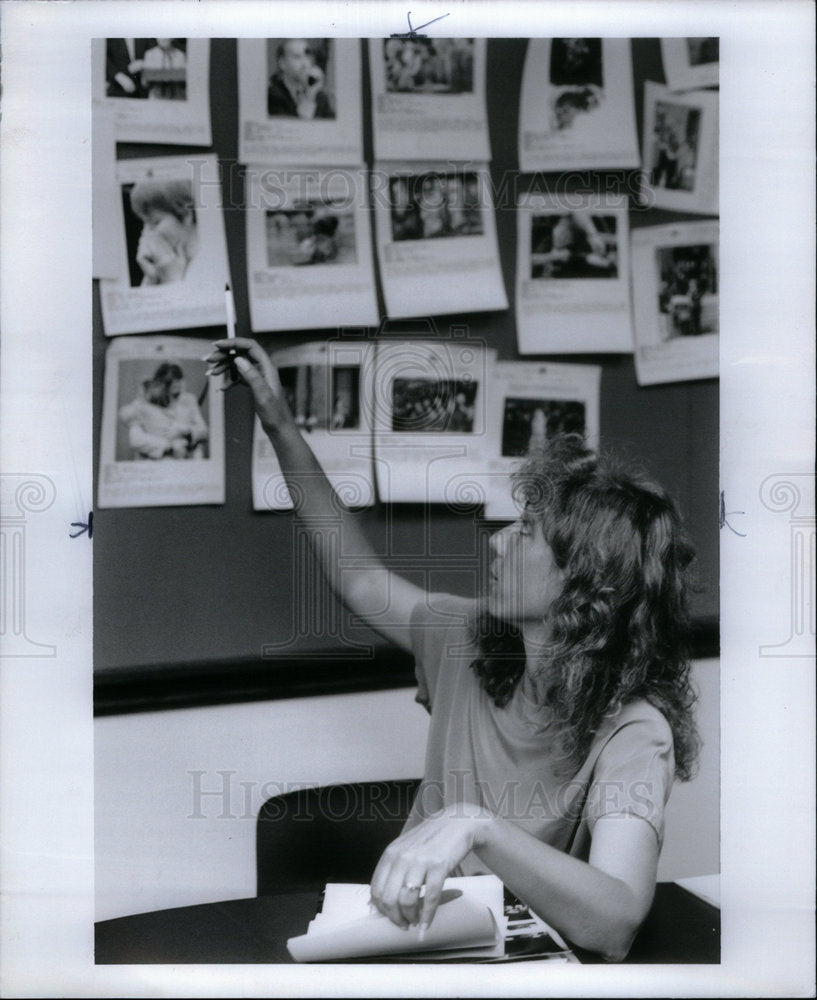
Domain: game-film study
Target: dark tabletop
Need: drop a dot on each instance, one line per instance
(679, 929)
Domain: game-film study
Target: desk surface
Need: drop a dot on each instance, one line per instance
(680, 928)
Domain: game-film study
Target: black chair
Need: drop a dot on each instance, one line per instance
(335, 833)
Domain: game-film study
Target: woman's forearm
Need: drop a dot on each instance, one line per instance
(592, 909)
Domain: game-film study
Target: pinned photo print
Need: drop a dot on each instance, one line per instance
(680, 149)
(314, 233)
(432, 205)
(162, 437)
(160, 230)
(541, 419)
(432, 405)
(162, 417)
(301, 73)
(688, 296)
(158, 89)
(574, 245)
(429, 65)
(146, 68)
(322, 398)
(676, 305)
(576, 78)
(674, 148)
(691, 62)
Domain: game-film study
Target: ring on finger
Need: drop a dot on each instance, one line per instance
(411, 887)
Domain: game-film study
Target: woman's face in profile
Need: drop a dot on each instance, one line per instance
(524, 578)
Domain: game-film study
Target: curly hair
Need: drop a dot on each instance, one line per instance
(620, 624)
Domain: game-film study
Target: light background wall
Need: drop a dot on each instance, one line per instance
(162, 841)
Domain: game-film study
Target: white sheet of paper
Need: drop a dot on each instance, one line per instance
(528, 399)
(577, 109)
(189, 268)
(177, 112)
(286, 138)
(428, 99)
(329, 385)
(690, 62)
(436, 239)
(430, 419)
(676, 303)
(309, 251)
(156, 450)
(572, 275)
(680, 144)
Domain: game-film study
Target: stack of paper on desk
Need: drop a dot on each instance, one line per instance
(469, 922)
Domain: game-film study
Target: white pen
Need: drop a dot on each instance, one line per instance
(230, 304)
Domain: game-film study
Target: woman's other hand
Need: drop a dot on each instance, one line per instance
(423, 857)
(258, 372)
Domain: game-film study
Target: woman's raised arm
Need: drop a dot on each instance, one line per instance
(365, 585)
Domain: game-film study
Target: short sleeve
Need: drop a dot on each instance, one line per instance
(430, 625)
(635, 770)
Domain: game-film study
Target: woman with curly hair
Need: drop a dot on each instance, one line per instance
(560, 702)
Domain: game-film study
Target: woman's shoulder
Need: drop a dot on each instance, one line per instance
(638, 718)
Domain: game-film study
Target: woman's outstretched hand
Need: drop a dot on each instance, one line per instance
(423, 857)
(255, 369)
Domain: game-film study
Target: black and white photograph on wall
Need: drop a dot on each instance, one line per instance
(574, 245)
(299, 101)
(428, 98)
(676, 301)
(162, 440)
(421, 405)
(301, 78)
(690, 62)
(435, 228)
(172, 250)
(539, 419)
(680, 143)
(674, 147)
(430, 414)
(328, 387)
(429, 66)
(530, 402)
(576, 78)
(571, 266)
(428, 206)
(688, 299)
(309, 253)
(160, 230)
(158, 88)
(311, 233)
(576, 106)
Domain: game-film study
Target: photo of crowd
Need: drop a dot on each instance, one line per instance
(688, 291)
(703, 50)
(153, 68)
(163, 418)
(422, 404)
(300, 73)
(312, 233)
(574, 245)
(429, 66)
(675, 146)
(322, 398)
(576, 74)
(160, 230)
(427, 206)
(545, 417)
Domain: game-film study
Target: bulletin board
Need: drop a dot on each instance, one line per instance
(205, 604)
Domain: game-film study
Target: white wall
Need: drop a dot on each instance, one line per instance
(159, 844)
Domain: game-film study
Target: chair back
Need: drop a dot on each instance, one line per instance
(335, 833)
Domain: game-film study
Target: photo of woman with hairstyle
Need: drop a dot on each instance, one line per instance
(168, 241)
(165, 421)
(560, 700)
